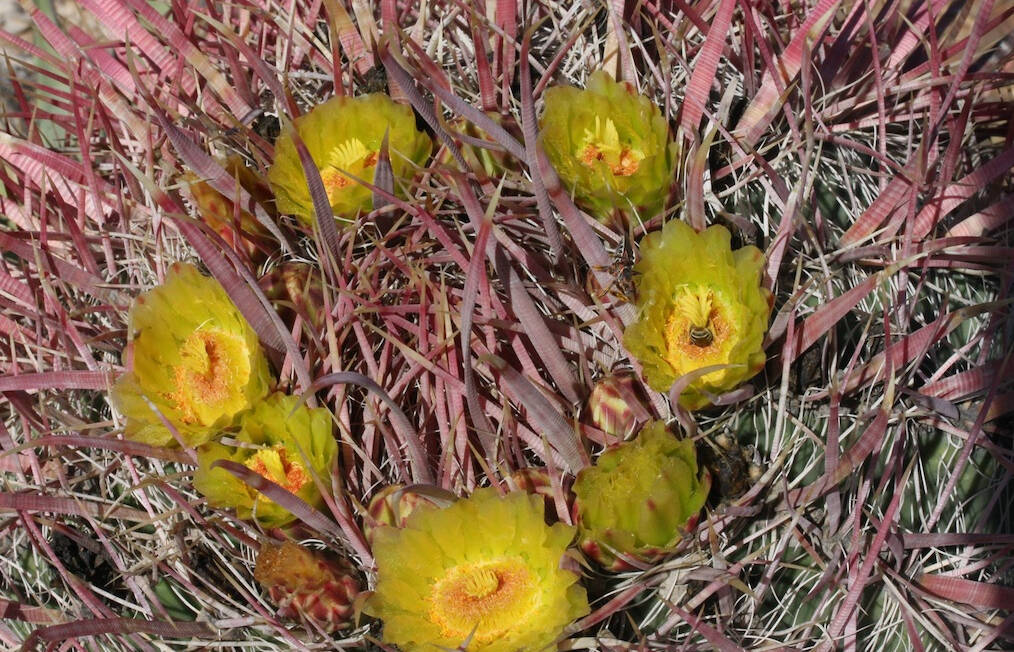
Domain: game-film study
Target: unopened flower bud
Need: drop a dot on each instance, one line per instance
(615, 407)
(307, 585)
(393, 504)
(639, 498)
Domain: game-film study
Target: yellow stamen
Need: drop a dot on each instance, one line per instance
(481, 583)
(352, 156)
(349, 153)
(603, 144)
(695, 306)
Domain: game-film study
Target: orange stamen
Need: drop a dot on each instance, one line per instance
(295, 474)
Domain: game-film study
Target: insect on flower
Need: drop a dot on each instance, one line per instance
(621, 272)
(700, 304)
(701, 336)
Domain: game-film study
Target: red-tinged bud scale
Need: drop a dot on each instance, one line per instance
(615, 407)
(537, 482)
(393, 504)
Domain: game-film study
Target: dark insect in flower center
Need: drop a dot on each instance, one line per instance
(701, 336)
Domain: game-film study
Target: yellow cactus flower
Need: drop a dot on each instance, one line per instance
(700, 304)
(343, 136)
(485, 569)
(639, 497)
(195, 359)
(282, 440)
(610, 146)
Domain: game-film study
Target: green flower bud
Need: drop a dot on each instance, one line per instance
(639, 498)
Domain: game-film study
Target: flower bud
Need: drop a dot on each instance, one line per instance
(393, 504)
(537, 482)
(307, 585)
(639, 498)
(295, 289)
(240, 230)
(615, 407)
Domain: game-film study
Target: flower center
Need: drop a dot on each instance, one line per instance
(213, 369)
(274, 464)
(489, 598)
(481, 583)
(697, 331)
(351, 156)
(603, 144)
